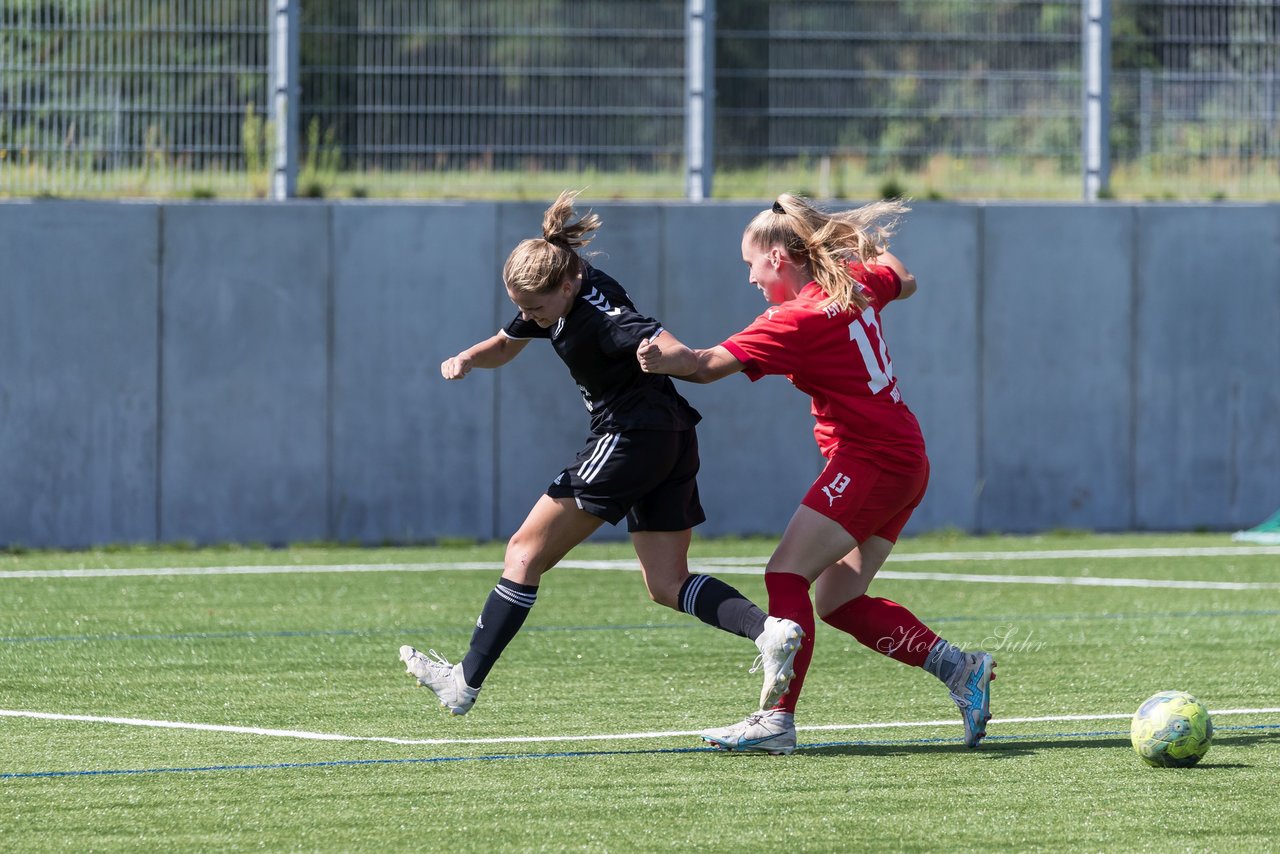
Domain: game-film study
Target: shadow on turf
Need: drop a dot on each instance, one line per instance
(997, 747)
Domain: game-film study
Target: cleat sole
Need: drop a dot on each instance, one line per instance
(724, 748)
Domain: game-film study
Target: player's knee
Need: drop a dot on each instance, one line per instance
(524, 561)
(664, 591)
(665, 596)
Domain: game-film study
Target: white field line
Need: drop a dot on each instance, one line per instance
(755, 566)
(1078, 580)
(285, 569)
(543, 739)
(1055, 554)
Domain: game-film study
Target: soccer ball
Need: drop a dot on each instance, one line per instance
(1171, 730)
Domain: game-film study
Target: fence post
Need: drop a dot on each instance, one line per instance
(699, 97)
(285, 102)
(1095, 138)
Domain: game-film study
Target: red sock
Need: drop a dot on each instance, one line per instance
(884, 626)
(789, 599)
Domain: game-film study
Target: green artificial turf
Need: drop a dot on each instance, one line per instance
(881, 766)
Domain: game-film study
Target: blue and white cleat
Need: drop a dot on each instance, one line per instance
(772, 732)
(778, 645)
(971, 690)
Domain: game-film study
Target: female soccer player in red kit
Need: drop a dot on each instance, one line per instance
(829, 278)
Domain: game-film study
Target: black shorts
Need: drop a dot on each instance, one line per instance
(648, 476)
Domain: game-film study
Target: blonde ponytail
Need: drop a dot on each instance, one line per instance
(541, 263)
(828, 242)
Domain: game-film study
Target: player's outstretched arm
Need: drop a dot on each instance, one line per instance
(667, 355)
(492, 352)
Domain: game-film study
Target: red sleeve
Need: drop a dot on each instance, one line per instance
(769, 345)
(749, 368)
(881, 281)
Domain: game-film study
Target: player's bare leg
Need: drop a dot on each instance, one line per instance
(552, 528)
(664, 563)
(850, 576)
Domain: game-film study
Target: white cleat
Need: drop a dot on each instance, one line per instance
(439, 675)
(778, 645)
(970, 688)
(772, 732)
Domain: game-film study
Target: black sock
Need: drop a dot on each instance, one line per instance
(717, 604)
(503, 615)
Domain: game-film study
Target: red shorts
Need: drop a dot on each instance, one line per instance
(867, 499)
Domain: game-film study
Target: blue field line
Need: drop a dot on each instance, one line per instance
(193, 636)
(326, 633)
(577, 754)
(420, 631)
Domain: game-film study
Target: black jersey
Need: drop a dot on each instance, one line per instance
(597, 340)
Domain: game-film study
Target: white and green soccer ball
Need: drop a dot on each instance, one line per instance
(1171, 729)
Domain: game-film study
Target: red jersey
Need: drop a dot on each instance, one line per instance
(840, 359)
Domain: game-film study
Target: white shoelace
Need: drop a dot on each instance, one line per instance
(439, 659)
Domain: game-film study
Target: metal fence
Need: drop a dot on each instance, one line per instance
(502, 98)
(1196, 95)
(899, 88)
(413, 86)
(128, 98)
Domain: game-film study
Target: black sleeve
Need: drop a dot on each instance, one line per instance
(521, 329)
(622, 333)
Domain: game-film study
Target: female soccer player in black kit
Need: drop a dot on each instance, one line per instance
(640, 462)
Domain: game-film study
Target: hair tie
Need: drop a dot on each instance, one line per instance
(777, 207)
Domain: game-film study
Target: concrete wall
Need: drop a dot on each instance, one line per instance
(412, 456)
(1206, 371)
(79, 373)
(244, 396)
(1056, 356)
(259, 372)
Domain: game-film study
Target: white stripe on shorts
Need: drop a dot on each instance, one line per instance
(604, 448)
(594, 461)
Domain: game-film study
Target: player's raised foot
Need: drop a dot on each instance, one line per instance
(970, 688)
(772, 732)
(778, 645)
(434, 672)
